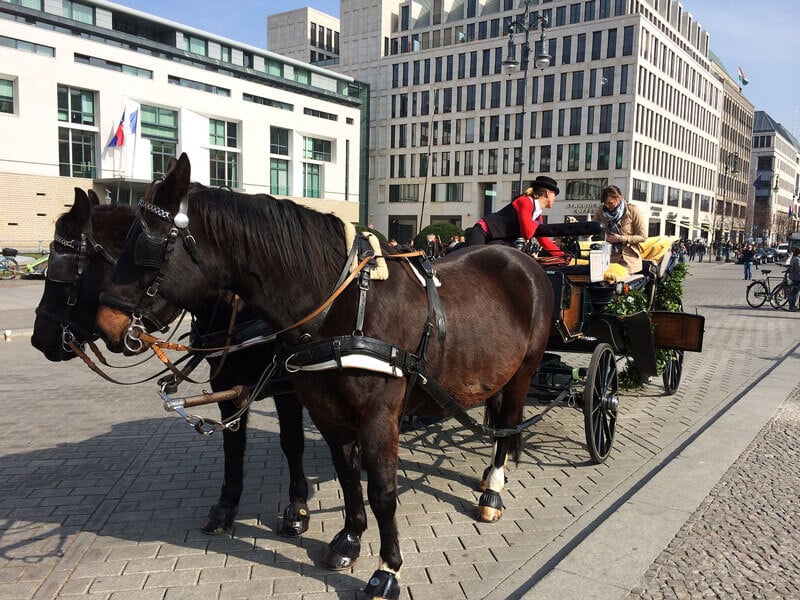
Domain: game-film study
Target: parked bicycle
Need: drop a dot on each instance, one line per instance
(9, 267)
(761, 290)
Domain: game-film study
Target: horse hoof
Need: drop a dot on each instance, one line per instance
(294, 521)
(342, 552)
(490, 507)
(383, 584)
(220, 518)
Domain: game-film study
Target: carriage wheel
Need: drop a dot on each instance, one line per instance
(600, 402)
(672, 372)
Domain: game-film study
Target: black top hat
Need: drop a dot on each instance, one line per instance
(547, 183)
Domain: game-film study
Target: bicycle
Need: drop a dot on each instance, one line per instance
(9, 267)
(782, 292)
(760, 291)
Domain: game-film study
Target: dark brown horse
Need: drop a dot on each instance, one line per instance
(285, 261)
(87, 241)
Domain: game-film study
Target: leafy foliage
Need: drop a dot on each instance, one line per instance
(444, 230)
(669, 296)
(378, 234)
(669, 293)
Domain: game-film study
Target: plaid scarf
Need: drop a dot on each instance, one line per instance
(613, 219)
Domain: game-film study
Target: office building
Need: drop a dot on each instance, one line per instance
(97, 95)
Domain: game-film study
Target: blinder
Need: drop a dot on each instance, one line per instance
(63, 267)
(149, 251)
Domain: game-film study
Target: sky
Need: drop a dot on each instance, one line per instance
(760, 37)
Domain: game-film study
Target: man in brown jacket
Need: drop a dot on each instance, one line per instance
(625, 226)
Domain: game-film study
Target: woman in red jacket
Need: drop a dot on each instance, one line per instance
(520, 219)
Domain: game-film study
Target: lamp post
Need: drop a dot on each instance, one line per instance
(541, 61)
(733, 169)
(774, 190)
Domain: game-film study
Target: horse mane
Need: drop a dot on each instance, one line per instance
(296, 237)
(111, 222)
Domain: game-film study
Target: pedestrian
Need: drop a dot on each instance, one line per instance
(748, 256)
(794, 277)
(625, 227)
(519, 219)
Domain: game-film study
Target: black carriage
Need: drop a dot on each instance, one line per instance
(583, 323)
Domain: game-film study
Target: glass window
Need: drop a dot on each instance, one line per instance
(611, 50)
(160, 154)
(76, 153)
(561, 16)
(544, 159)
(597, 40)
(574, 13)
(195, 45)
(75, 105)
(621, 118)
(607, 83)
(574, 157)
(279, 140)
(627, 41)
(222, 133)
(639, 190)
(580, 54)
(223, 168)
(686, 199)
(547, 123)
(159, 123)
(674, 196)
(658, 194)
(311, 180)
(620, 154)
(316, 149)
(575, 120)
(6, 96)
(588, 10)
(549, 86)
(588, 162)
(566, 49)
(603, 151)
(605, 118)
(77, 12)
(279, 177)
(577, 85)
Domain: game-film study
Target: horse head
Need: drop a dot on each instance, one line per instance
(143, 293)
(72, 279)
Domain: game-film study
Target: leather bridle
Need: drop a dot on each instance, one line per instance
(68, 268)
(153, 252)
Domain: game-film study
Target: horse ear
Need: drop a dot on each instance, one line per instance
(93, 198)
(82, 207)
(175, 185)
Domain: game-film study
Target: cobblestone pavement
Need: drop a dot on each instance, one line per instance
(102, 494)
(744, 540)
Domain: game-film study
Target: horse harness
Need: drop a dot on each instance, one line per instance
(68, 268)
(338, 352)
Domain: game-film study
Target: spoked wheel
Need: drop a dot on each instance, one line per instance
(600, 402)
(8, 268)
(756, 294)
(672, 372)
(780, 295)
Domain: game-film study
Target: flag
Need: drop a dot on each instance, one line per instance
(742, 78)
(119, 136)
(133, 121)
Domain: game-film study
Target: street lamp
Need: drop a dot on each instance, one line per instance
(775, 189)
(733, 169)
(541, 61)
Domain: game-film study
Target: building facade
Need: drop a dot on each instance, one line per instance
(629, 98)
(729, 221)
(775, 176)
(304, 34)
(94, 94)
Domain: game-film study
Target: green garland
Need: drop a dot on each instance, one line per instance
(669, 296)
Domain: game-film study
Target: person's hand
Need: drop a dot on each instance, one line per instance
(571, 219)
(613, 238)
